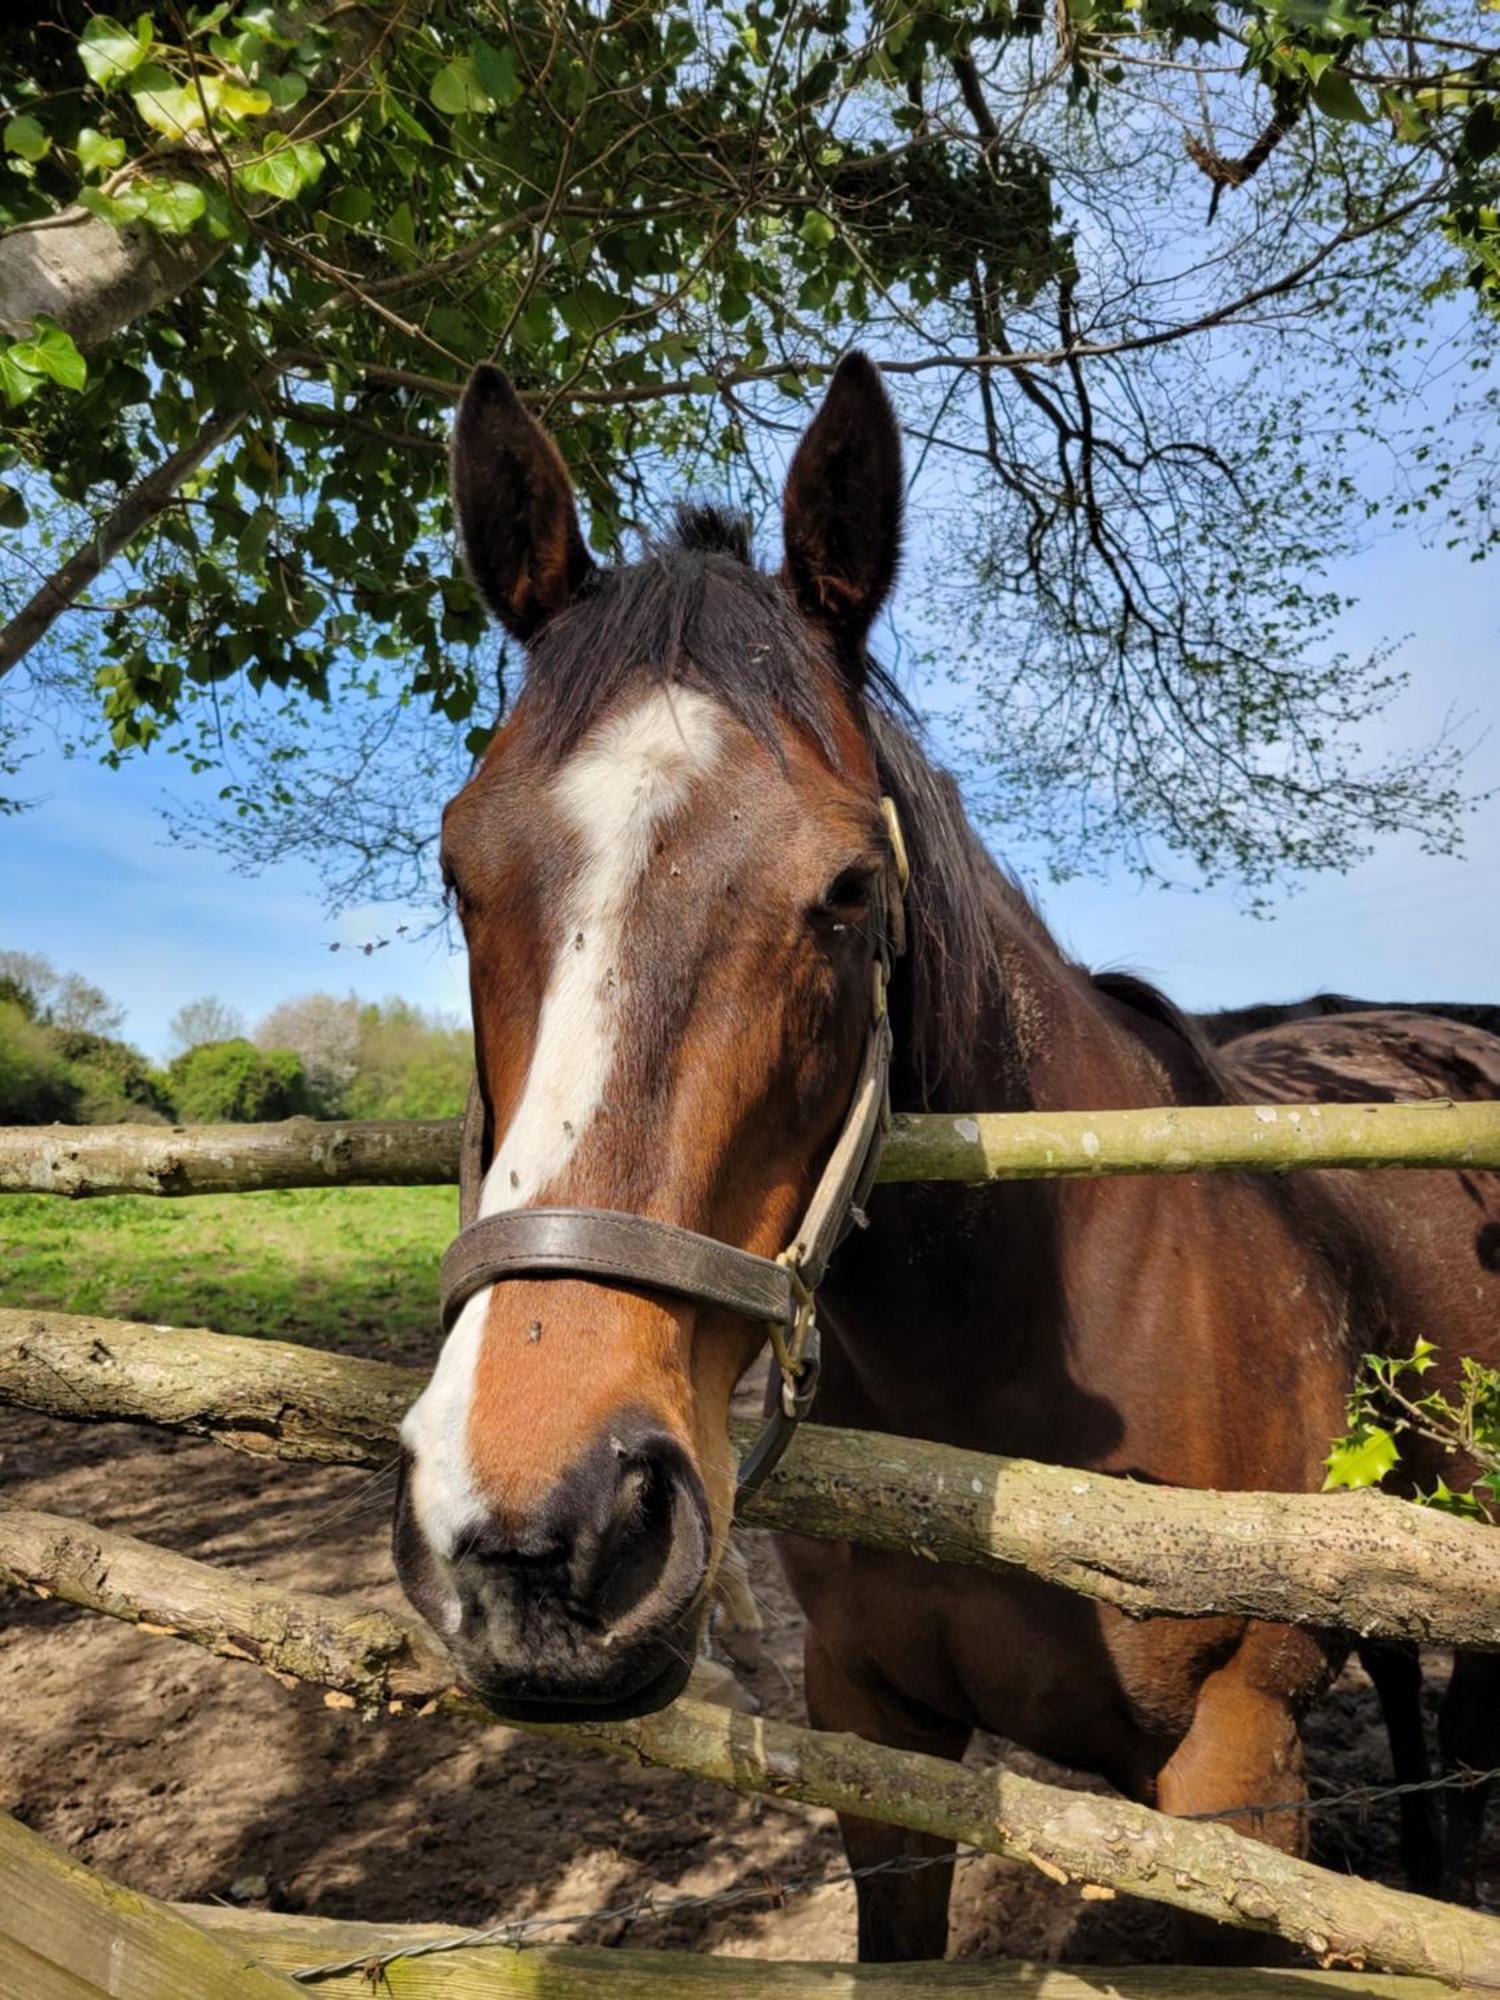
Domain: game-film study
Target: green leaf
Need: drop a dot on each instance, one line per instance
(128, 206)
(50, 351)
(496, 72)
(237, 102)
(109, 51)
(456, 89)
(173, 206)
(283, 174)
(96, 154)
(1336, 96)
(817, 229)
(16, 383)
(13, 512)
(25, 136)
(174, 109)
(351, 205)
(285, 91)
(1361, 1459)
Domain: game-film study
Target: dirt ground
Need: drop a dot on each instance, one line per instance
(201, 1779)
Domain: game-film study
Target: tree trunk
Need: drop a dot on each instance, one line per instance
(1359, 1562)
(378, 1661)
(923, 1146)
(137, 510)
(94, 279)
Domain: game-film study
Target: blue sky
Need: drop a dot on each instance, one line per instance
(89, 878)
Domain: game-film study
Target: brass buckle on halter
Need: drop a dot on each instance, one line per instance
(796, 1347)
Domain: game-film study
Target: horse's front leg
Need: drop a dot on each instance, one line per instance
(1241, 1761)
(903, 1909)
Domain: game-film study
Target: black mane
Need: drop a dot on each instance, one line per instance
(697, 612)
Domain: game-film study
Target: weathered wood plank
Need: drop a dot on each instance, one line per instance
(1365, 1562)
(579, 1972)
(68, 1932)
(382, 1661)
(983, 1146)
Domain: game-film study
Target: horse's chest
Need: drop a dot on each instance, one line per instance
(1021, 1659)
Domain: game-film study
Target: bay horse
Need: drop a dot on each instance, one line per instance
(670, 867)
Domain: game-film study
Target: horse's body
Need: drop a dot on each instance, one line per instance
(1199, 1331)
(667, 867)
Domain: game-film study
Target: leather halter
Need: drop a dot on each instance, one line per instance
(606, 1246)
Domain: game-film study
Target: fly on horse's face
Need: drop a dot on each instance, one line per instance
(665, 869)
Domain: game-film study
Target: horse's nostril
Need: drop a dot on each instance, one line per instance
(653, 1548)
(618, 1549)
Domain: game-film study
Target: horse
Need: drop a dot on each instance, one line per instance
(673, 867)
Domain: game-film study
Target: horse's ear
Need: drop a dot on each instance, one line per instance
(515, 509)
(842, 506)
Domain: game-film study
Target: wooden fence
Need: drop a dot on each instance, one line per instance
(1362, 1563)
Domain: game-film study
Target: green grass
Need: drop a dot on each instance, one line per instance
(351, 1268)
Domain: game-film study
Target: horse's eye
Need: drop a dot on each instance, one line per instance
(848, 893)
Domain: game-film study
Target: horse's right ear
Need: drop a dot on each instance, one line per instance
(514, 503)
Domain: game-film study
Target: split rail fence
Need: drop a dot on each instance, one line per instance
(1364, 1563)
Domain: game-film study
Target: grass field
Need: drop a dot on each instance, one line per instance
(352, 1268)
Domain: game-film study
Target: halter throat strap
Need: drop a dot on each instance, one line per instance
(607, 1246)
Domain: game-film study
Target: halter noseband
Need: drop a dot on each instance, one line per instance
(604, 1245)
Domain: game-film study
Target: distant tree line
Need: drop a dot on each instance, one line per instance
(62, 1059)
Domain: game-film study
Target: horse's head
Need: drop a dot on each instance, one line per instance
(667, 869)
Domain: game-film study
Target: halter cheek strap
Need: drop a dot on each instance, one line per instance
(606, 1246)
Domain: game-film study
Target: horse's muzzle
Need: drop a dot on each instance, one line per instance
(589, 1609)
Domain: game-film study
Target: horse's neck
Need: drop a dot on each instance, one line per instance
(1042, 1038)
(943, 1268)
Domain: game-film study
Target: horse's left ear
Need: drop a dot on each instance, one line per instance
(842, 506)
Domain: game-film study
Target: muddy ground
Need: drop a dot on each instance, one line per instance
(200, 1779)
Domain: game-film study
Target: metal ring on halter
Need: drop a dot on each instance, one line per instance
(603, 1246)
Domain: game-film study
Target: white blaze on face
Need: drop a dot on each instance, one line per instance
(626, 780)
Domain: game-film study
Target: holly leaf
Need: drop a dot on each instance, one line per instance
(1336, 97)
(1361, 1459)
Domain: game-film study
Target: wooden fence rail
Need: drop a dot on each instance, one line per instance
(1364, 1563)
(381, 1661)
(987, 1146)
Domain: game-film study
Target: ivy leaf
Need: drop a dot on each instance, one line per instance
(13, 510)
(16, 383)
(50, 351)
(456, 89)
(109, 51)
(285, 91)
(496, 71)
(817, 229)
(173, 206)
(283, 174)
(175, 108)
(128, 206)
(1361, 1459)
(23, 135)
(96, 154)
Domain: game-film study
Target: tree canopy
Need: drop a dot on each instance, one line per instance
(1153, 283)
